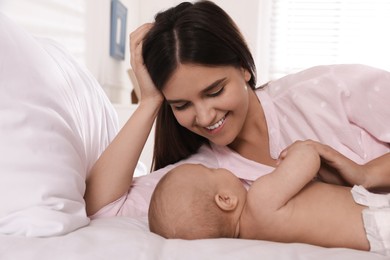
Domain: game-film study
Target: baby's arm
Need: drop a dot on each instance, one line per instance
(298, 165)
(112, 174)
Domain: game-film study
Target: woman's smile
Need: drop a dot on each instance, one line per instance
(217, 126)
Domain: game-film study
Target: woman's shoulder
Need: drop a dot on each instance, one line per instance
(336, 71)
(322, 78)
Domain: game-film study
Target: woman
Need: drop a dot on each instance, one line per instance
(197, 76)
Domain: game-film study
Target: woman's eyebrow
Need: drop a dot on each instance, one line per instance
(175, 101)
(208, 88)
(214, 84)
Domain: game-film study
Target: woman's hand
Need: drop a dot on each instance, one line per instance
(335, 167)
(338, 169)
(147, 88)
(374, 175)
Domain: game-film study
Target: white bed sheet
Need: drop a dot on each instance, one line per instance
(126, 238)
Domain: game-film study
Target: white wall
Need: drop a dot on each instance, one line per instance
(93, 30)
(83, 27)
(111, 73)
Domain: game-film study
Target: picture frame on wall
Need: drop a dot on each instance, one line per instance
(118, 30)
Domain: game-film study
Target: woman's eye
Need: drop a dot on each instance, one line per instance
(180, 106)
(217, 92)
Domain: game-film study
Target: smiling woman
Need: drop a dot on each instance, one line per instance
(203, 49)
(211, 102)
(310, 104)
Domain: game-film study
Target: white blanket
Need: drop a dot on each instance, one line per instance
(124, 238)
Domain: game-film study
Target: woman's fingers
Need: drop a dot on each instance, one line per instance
(148, 91)
(136, 38)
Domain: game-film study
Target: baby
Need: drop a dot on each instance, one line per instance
(287, 205)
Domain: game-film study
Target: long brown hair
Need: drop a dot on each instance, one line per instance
(198, 33)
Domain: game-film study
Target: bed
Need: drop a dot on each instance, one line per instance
(55, 121)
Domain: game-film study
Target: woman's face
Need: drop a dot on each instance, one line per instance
(209, 101)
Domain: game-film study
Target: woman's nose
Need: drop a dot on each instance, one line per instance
(204, 115)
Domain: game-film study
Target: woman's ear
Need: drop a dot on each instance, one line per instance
(226, 201)
(247, 75)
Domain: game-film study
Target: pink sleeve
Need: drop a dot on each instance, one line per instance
(367, 98)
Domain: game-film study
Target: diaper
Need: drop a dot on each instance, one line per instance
(376, 218)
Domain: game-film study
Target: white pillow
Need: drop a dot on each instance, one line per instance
(55, 121)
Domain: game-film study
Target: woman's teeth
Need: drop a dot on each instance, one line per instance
(216, 125)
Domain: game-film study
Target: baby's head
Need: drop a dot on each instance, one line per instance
(193, 202)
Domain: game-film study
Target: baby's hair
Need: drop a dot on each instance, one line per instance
(191, 213)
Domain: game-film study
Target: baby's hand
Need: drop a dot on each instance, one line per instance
(306, 149)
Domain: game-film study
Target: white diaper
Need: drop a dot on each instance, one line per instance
(376, 218)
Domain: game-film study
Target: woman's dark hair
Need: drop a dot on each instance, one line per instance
(197, 33)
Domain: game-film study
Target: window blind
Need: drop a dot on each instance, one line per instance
(61, 20)
(305, 33)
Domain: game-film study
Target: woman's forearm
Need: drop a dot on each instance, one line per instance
(377, 173)
(112, 174)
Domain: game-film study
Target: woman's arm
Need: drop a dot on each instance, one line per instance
(374, 175)
(367, 93)
(377, 173)
(112, 174)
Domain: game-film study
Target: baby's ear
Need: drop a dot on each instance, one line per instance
(226, 201)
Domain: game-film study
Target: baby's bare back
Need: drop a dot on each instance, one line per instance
(321, 214)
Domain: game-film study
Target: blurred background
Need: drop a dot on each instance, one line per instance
(284, 35)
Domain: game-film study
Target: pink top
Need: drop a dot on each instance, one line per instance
(344, 106)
